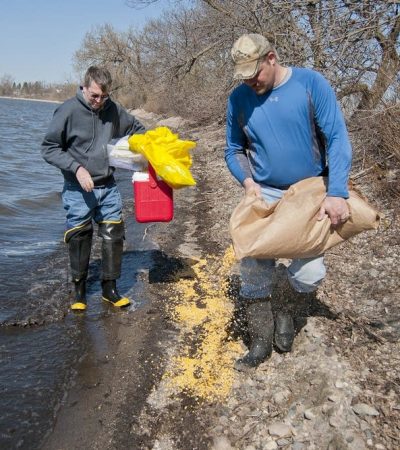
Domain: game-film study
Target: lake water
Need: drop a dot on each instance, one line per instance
(30, 208)
(40, 341)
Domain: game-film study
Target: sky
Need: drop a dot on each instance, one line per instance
(38, 38)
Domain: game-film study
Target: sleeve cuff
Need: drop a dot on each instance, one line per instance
(342, 194)
(75, 166)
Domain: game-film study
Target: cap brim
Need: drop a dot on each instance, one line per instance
(246, 70)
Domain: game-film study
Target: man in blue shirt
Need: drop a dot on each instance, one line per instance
(284, 124)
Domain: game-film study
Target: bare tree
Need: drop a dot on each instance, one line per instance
(182, 60)
(119, 52)
(6, 85)
(355, 44)
(180, 64)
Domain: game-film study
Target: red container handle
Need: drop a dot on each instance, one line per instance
(152, 177)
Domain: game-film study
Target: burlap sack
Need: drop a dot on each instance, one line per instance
(289, 228)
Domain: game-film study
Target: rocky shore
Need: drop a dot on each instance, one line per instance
(168, 380)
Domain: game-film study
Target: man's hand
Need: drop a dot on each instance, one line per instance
(250, 186)
(84, 178)
(337, 210)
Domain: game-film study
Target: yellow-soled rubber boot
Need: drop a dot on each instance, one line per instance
(78, 306)
(80, 296)
(79, 240)
(111, 295)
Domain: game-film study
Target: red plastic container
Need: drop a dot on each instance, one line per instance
(153, 198)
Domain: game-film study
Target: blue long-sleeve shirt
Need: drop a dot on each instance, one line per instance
(288, 134)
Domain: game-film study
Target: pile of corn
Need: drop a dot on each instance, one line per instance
(203, 367)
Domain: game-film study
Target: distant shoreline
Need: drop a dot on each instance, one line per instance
(31, 99)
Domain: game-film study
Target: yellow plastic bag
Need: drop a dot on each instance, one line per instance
(168, 155)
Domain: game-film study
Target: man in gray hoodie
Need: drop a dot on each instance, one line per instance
(76, 143)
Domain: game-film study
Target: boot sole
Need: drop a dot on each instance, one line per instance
(78, 306)
(283, 349)
(122, 302)
(243, 364)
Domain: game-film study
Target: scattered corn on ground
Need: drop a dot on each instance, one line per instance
(203, 369)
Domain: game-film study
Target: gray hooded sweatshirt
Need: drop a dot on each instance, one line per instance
(78, 136)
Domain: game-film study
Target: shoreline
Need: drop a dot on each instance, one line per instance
(31, 99)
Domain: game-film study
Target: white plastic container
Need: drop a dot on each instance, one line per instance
(140, 176)
(120, 156)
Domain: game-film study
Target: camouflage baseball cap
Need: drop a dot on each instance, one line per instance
(247, 53)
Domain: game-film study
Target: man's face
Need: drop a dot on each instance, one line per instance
(264, 80)
(94, 95)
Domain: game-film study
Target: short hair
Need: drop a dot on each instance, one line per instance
(100, 76)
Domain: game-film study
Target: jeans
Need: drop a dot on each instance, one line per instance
(103, 204)
(258, 275)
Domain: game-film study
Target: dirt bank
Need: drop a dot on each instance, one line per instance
(166, 379)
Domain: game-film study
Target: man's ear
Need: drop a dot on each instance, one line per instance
(271, 58)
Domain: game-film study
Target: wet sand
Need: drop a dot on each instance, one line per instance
(111, 384)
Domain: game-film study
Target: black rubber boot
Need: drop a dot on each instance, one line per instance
(79, 240)
(238, 328)
(80, 290)
(110, 294)
(112, 246)
(284, 331)
(291, 310)
(111, 251)
(261, 329)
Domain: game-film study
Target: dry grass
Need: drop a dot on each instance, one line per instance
(376, 137)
